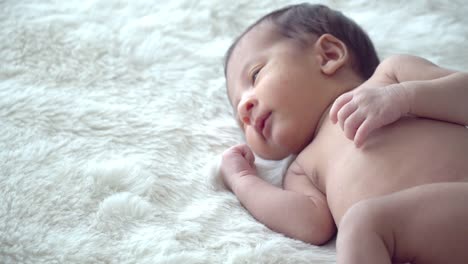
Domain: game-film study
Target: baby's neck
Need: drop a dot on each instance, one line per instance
(347, 81)
(325, 115)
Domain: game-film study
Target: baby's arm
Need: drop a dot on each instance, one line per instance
(405, 85)
(300, 215)
(432, 91)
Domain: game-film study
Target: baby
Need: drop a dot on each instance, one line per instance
(381, 146)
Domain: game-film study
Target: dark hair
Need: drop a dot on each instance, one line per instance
(297, 21)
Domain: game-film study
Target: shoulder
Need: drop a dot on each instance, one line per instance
(405, 67)
(302, 177)
(391, 66)
(397, 61)
(296, 175)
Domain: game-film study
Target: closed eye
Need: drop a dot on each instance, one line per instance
(254, 74)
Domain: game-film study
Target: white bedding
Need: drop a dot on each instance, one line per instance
(111, 113)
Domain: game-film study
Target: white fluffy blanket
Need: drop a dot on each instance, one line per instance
(111, 112)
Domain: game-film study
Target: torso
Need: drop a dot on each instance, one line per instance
(407, 153)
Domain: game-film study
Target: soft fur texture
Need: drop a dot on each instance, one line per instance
(113, 113)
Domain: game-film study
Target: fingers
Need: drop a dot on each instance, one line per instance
(356, 124)
(237, 161)
(338, 104)
(363, 131)
(361, 134)
(244, 151)
(361, 111)
(354, 120)
(352, 124)
(248, 154)
(345, 113)
(342, 109)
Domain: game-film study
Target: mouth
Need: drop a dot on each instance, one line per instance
(262, 124)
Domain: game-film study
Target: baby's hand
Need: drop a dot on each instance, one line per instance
(361, 111)
(237, 162)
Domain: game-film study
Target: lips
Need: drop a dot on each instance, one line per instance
(260, 123)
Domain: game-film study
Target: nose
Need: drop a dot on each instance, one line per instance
(245, 109)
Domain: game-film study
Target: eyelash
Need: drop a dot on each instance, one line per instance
(255, 74)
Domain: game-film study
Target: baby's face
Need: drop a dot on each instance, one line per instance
(273, 84)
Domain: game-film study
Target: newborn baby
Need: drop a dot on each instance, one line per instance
(381, 146)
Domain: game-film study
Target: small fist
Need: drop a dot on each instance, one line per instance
(237, 162)
(365, 109)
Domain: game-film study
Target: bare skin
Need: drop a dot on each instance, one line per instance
(392, 178)
(437, 151)
(411, 152)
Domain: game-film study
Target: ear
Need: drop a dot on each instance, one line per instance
(332, 53)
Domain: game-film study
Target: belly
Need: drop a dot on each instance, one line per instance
(405, 154)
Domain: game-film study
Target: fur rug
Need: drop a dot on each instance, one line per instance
(113, 112)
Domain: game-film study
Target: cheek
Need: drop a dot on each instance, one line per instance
(294, 134)
(291, 87)
(279, 92)
(285, 135)
(254, 141)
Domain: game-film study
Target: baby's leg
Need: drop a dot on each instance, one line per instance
(424, 224)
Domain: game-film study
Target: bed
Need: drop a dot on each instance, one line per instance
(113, 116)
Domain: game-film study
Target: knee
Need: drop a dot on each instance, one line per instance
(364, 213)
(361, 219)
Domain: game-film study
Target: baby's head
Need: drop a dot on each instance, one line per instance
(284, 71)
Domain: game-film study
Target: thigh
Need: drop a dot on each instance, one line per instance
(428, 223)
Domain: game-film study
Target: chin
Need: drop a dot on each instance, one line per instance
(274, 156)
(293, 144)
(272, 153)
